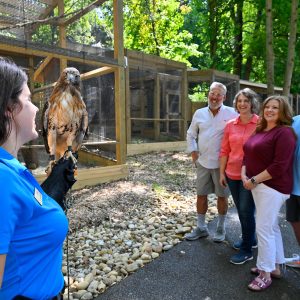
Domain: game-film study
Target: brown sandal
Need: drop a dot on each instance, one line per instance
(257, 271)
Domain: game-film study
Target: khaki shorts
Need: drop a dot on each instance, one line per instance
(208, 182)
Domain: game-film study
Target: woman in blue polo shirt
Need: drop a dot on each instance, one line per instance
(32, 225)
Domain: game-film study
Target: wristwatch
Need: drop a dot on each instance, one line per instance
(253, 181)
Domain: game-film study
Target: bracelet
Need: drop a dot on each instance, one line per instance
(253, 181)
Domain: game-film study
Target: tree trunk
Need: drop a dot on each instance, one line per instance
(291, 48)
(153, 25)
(237, 16)
(248, 68)
(212, 8)
(269, 48)
(249, 61)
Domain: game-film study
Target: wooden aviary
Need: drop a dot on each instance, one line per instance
(156, 99)
(105, 147)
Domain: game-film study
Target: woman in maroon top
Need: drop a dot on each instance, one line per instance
(268, 172)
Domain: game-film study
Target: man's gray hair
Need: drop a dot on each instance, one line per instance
(219, 85)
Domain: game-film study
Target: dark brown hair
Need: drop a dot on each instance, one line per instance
(12, 79)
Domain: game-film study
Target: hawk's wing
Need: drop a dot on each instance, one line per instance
(83, 128)
(45, 125)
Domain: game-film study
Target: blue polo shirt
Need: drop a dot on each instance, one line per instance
(296, 165)
(32, 231)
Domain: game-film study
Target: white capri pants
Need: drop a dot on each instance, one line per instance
(270, 248)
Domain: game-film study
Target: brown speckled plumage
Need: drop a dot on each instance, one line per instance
(64, 118)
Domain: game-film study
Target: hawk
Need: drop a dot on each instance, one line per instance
(64, 118)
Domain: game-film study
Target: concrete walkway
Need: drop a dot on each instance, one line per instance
(201, 270)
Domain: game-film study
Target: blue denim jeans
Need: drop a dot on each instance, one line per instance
(245, 206)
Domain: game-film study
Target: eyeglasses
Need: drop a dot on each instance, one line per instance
(216, 95)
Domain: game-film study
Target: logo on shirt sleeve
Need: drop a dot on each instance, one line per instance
(38, 196)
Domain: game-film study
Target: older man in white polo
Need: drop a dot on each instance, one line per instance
(204, 138)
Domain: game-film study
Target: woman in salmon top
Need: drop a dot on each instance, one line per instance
(237, 132)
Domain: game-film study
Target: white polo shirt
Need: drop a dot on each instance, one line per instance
(208, 130)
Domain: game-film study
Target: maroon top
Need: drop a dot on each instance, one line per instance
(273, 151)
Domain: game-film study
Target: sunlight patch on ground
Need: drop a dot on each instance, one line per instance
(181, 156)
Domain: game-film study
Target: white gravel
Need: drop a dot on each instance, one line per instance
(118, 227)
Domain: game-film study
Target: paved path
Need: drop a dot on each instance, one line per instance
(200, 270)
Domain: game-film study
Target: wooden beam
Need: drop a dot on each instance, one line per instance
(82, 12)
(97, 72)
(94, 176)
(41, 67)
(30, 48)
(155, 119)
(133, 149)
(44, 53)
(49, 9)
(91, 144)
(135, 57)
(89, 158)
(85, 76)
(166, 76)
(258, 85)
(48, 2)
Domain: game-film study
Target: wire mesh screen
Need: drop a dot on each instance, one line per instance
(155, 106)
(98, 94)
(13, 13)
(170, 106)
(36, 24)
(232, 88)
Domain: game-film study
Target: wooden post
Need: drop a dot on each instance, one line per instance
(128, 105)
(156, 107)
(120, 110)
(31, 73)
(184, 100)
(62, 35)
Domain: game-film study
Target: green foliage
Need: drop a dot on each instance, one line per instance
(155, 27)
(198, 93)
(87, 30)
(81, 31)
(46, 34)
(189, 31)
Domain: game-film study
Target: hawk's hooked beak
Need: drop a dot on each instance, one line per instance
(74, 79)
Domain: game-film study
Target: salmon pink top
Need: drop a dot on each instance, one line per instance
(236, 134)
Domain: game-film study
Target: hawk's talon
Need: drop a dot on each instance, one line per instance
(69, 154)
(50, 166)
